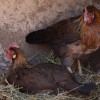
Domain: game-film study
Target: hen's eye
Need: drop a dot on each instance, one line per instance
(14, 56)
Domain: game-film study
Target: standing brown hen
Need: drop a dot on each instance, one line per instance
(68, 43)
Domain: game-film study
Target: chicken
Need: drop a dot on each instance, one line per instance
(32, 79)
(65, 39)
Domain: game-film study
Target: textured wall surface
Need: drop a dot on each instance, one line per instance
(19, 17)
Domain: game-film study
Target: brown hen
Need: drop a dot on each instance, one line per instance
(32, 79)
(68, 43)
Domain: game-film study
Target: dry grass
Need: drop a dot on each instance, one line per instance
(8, 92)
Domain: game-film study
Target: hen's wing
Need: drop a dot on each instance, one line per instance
(63, 31)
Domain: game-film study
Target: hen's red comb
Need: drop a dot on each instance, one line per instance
(13, 46)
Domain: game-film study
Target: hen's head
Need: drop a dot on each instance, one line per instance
(17, 56)
(11, 51)
(90, 14)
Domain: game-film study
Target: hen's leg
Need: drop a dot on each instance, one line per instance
(67, 62)
(79, 67)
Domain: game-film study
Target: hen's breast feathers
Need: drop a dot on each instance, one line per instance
(90, 36)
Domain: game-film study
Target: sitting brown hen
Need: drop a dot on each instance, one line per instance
(68, 43)
(32, 79)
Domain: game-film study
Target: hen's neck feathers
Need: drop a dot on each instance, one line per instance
(20, 61)
(90, 36)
